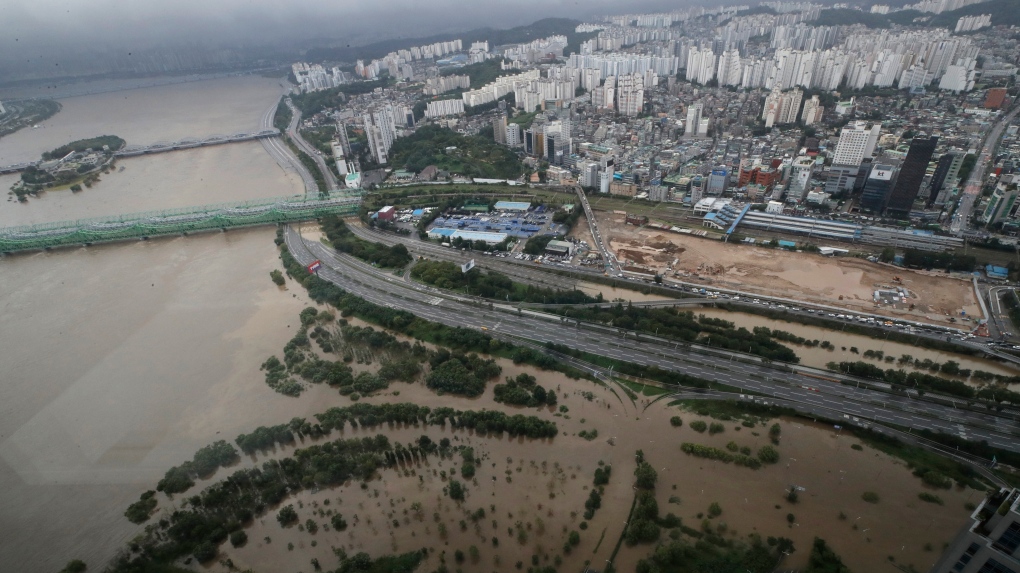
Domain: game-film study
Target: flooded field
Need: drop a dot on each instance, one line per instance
(538, 487)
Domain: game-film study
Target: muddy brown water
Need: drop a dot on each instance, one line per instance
(814, 457)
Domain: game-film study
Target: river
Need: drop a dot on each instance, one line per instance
(121, 360)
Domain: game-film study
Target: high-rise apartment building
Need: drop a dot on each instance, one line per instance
(499, 129)
(813, 111)
(1001, 204)
(693, 119)
(381, 130)
(513, 135)
(912, 172)
(781, 107)
(630, 95)
(990, 542)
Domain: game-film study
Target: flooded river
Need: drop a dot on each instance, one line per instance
(121, 360)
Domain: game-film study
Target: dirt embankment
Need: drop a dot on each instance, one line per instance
(837, 281)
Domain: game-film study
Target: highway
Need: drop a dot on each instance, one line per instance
(283, 156)
(972, 190)
(612, 265)
(855, 405)
(529, 273)
(295, 136)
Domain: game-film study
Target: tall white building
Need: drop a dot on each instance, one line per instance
(729, 71)
(380, 131)
(630, 95)
(693, 119)
(781, 107)
(604, 97)
(813, 111)
(700, 65)
(800, 175)
(444, 107)
(856, 141)
(959, 77)
(513, 136)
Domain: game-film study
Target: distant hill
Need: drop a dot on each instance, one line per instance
(1004, 13)
(846, 17)
(495, 37)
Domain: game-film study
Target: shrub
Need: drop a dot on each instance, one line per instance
(287, 516)
(716, 428)
(698, 426)
(768, 455)
(870, 497)
(676, 421)
(930, 497)
(238, 538)
(714, 510)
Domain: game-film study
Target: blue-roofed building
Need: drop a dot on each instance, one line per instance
(995, 272)
(439, 232)
(512, 205)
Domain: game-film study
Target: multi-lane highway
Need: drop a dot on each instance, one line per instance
(842, 401)
(283, 156)
(528, 273)
(972, 189)
(295, 135)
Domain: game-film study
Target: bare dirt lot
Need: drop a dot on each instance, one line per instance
(846, 282)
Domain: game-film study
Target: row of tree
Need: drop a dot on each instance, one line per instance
(345, 241)
(493, 285)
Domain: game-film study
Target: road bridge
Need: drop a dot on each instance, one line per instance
(135, 226)
(163, 147)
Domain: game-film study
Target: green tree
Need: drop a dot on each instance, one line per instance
(645, 475)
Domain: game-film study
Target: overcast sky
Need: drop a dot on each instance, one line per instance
(145, 21)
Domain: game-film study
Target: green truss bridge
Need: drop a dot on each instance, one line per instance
(135, 226)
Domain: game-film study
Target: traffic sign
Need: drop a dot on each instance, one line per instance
(314, 267)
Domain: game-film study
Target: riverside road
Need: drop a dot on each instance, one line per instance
(853, 405)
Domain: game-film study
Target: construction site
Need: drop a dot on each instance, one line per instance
(853, 283)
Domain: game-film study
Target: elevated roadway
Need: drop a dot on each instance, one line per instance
(295, 135)
(282, 154)
(860, 405)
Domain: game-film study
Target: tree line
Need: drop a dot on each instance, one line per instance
(345, 241)
(493, 285)
(683, 325)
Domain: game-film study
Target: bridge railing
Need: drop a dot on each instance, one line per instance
(177, 221)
